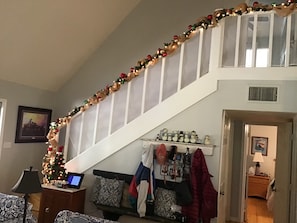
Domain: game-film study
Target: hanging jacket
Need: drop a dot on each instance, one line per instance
(142, 185)
(204, 205)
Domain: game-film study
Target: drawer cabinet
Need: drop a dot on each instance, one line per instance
(257, 186)
(55, 199)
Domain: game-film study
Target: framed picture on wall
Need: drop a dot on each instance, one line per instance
(32, 124)
(259, 144)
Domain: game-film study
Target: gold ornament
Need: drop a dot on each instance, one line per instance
(240, 9)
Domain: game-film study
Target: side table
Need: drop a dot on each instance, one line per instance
(257, 186)
(54, 199)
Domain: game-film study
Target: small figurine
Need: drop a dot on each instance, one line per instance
(181, 137)
(207, 140)
(175, 137)
(165, 136)
(158, 137)
(187, 138)
(194, 137)
(169, 137)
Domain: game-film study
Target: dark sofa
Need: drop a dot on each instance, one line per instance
(113, 213)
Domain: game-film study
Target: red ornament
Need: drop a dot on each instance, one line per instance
(149, 57)
(189, 27)
(209, 17)
(50, 148)
(255, 4)
(60, 149)
(123, 75)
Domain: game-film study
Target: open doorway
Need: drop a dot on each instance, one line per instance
(236, 173)
(261, 157)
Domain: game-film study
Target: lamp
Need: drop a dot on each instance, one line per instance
(258, 158)
(27, 184)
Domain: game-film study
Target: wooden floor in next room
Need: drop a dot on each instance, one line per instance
(257, 211)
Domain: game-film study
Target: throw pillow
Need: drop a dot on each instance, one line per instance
(12, 207)
(96, 190)
(110, 192)
(164, 199)
(125, 198)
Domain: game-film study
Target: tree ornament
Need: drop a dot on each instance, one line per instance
(218, 15)
(284, 10)
(203, 22)
(240, 9)
(260, 7)
(115, 87)
(229, 12)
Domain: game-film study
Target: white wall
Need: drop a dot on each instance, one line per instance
(20, 155)
(205, 117)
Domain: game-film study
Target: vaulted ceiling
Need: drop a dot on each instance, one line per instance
(43, 43)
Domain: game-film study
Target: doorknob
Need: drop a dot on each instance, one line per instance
(222, 193)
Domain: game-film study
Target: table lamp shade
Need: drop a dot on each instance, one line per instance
(258, 158)
(28, 183)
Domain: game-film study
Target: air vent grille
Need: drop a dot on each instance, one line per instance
(263, 93)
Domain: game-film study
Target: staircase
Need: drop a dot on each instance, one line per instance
(229, 51)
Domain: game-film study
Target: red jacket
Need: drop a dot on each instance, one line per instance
(204, 205)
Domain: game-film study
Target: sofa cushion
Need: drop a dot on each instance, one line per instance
(164, 199)
(12, 209)
(96, 190)
(110, 192)
(125, 197)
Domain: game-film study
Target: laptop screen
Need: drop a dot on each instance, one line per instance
(74, 180)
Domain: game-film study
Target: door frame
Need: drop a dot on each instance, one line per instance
(260, 118)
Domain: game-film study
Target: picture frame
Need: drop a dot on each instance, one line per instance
(32, 124)
(259, 144)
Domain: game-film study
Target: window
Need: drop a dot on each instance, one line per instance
(2, 116)
(261, 57)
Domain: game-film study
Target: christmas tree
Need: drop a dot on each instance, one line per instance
(47, 162)
(57, 169)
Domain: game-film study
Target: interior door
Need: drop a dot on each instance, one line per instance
(293, 197)
(283, 173)
(224, 163)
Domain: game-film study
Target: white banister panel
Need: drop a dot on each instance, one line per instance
(205, 56)
(245, 39)
(189, 68)
(152, 86)
(119, 107)
(293, 41)
(74, 136)
(228, 57)
(171, 74)
(88, 128)
(103, 119)
(271, 31)
(279, 41)
(135, 101)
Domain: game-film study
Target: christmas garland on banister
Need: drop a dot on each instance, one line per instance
(283, 9)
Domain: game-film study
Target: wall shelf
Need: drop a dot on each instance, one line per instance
(182, 147)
